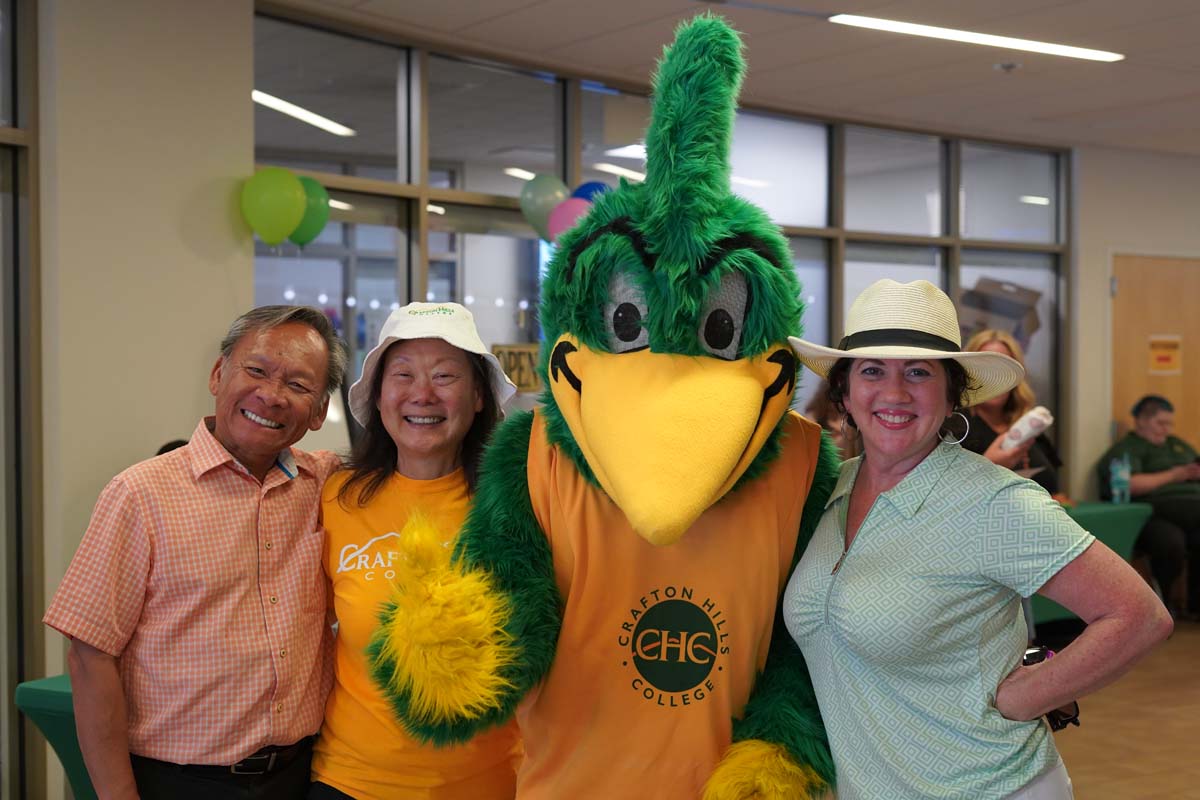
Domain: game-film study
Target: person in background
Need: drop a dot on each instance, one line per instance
(906, 603)
(428, 398)
(200, 655)
(991, 419)
(821, 411)
(1166, 474)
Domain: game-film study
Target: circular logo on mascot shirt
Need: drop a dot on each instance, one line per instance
(674, 645)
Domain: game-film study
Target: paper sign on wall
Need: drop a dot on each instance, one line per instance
(520, 364)
(1166, 354)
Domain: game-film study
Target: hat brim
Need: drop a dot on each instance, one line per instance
(990, 374)
(360, 393)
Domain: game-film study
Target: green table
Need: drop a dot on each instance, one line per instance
(48, 703)
(1117, 525)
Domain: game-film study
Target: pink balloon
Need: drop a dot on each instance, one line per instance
(565, 215)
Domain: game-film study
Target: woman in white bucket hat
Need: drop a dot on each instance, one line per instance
(429, 396)
(906, 602)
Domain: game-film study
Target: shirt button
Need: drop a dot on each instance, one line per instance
(274, 599)
(283, 652)
(268, 545)
(279, 708)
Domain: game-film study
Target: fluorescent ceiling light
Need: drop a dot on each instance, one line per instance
(302, 114)
(971, 37)
(613, 169)
(517, 172)
(339, 205)
(754, 183)
(637, 151)
(1034, 200)
(432, 209)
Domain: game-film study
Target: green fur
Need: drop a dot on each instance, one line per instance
(502, 536)
(682, 211)
(783, 707)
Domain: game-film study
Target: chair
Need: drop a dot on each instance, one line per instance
(1117, 525)
(47, 702)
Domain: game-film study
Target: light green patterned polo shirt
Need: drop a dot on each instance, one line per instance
(908, 641)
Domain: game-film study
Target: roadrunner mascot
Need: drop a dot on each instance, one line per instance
(617, 583)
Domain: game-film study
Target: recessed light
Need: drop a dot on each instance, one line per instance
(971, 37)
(303, 114)
(522, 174)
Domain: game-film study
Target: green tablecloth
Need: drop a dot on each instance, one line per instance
(1117, 525)
(48, 703)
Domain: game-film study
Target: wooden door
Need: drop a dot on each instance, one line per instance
(1156, 338)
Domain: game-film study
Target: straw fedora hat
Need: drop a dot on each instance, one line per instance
(892, 320)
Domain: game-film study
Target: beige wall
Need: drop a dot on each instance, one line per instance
(146, 130)
(1126, 202)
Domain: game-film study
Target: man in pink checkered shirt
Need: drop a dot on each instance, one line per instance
(200, 645)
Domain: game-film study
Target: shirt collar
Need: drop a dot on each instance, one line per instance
(910, 494)
(207, 454)
(845, 480)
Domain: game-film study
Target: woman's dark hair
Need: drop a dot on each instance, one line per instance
(373, 457)
(958, 384)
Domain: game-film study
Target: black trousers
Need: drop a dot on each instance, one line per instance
(323, 791)
(1172, 540)
(159, 780)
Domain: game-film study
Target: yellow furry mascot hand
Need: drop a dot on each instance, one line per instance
(441, 649)
(758, 770)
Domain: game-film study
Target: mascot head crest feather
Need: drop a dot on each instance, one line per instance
(666, 311)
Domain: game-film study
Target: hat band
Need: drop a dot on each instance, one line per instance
(897, 336)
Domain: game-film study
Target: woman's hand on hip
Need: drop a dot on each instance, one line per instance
(1012, 696)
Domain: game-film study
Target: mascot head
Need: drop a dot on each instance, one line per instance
(666, 311)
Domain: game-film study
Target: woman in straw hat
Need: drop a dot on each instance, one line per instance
(906, 603)
(428, 398)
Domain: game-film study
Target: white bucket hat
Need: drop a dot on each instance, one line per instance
(449, 322)
(908, 321)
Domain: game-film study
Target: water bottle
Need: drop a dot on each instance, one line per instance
(1118, 478)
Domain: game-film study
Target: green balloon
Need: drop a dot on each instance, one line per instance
(539, 197)
(273, 203)
(316, 212)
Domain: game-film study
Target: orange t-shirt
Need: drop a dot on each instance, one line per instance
(659, 646)
(362, 750)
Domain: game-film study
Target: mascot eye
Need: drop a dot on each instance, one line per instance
(724, 313)
(625, 315)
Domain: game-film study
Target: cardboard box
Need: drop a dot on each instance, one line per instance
(1001, 305)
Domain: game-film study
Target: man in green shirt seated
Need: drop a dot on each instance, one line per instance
(1165, 472)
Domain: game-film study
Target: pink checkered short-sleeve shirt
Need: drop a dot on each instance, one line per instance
(207, 586)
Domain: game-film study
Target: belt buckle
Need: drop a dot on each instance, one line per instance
(240, 767)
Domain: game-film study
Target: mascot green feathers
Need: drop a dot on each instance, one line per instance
(617, 583)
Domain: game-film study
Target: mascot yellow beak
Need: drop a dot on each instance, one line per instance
(668, 435)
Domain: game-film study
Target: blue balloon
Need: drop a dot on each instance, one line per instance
(589, 190)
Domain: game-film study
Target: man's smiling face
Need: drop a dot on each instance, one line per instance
(270, 391)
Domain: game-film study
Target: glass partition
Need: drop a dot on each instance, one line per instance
(354, 88)
(614, 134)
(810, 257)
(782, 165)
(490, 127)
(893, 182)
(1009, 194)
(1016, 293)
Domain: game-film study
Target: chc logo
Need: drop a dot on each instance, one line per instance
(674, 645)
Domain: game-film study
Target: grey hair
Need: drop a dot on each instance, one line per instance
(266, 317)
